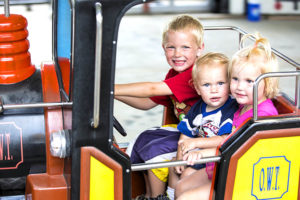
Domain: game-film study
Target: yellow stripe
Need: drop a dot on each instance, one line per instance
(101, 181)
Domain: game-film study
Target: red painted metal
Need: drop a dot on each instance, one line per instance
(15, 60)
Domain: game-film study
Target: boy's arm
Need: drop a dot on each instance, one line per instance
(139, 103)
(143, 89)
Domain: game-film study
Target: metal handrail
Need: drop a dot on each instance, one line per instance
(242, 32)
(33, 105)
(266, 75)
(146, 166)
(99, 23)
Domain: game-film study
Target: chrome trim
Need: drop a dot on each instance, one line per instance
(98, 53)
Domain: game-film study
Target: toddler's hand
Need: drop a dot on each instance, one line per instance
(186, 145)
(192, 156)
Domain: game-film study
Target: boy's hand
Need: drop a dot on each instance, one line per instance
(179, 169)
(187, 145)
(192, 156)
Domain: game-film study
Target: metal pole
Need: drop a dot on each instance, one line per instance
(146, 166)
(36, 105)
(6, 8)
(242, 32)
(271, 74)
(97, 81)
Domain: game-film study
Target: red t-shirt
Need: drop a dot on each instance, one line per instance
(184, 95)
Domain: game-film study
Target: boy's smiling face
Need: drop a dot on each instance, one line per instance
(181, 50)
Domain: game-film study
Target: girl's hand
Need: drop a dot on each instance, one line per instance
(187, 145)
(192, 156)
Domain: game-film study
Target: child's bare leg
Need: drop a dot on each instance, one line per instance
(197, 179)
(173, 177)
(157, 186)
(188, 171)
(199, 193)
(147, 184)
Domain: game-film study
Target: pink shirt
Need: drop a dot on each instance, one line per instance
(265, 108)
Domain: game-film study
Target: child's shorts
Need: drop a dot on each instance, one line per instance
(198, 166)
(161, 173)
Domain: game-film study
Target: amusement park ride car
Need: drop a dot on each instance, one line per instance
(56, 123)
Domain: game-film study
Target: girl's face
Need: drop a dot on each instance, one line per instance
(241, 84)
(181, 50)
(213, 86)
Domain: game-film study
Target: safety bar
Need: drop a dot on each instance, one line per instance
(33, 105)
(146, 166)
(242, 32)
(266, 75)
(98, 55)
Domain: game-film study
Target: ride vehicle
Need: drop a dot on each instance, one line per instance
(57, 122)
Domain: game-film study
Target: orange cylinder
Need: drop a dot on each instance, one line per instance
(15, 60)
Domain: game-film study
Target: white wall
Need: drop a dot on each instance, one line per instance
(287, 7)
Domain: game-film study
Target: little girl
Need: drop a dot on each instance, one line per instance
(246, 65)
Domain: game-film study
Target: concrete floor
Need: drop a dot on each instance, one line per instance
(140, 56)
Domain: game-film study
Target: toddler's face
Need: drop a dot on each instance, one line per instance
(181, 50)
(241, 84)
(213, 85)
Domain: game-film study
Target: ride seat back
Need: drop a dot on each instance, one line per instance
(284, 105)
(169, 116)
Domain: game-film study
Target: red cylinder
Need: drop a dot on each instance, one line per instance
(15, 60)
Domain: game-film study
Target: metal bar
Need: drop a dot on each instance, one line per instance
(26, 2)
(6, 8)
(297, 92)
(287, 59)
(256, 83)
(146, 166)
(240, 38)
(277, 53)
(230, 28)
(36, 105)
(98, 53)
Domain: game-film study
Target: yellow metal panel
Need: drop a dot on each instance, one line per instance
(269, 170)
(101, 181)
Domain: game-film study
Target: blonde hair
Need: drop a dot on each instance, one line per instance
(185, 23)
(208, 59)
(259, 55)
